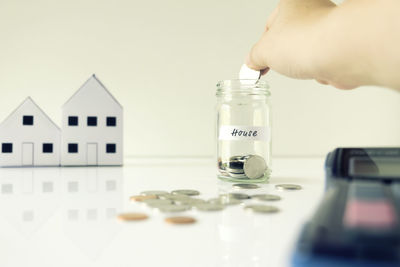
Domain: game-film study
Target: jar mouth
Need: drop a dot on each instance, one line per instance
(243, 86)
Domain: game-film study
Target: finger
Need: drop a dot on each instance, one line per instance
(256, 59)
(322, 82)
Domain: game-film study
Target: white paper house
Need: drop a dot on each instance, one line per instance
(91, 127)
(28, 137)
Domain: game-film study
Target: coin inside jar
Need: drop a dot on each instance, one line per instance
(254, 167)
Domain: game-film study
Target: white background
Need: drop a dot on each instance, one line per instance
(161, 59)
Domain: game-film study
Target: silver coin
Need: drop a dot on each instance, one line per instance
(234, 171)
(225, 201)
(288, 187)
(254, 167)
(189, 201)
(237, 158)
(209, 207)
(188, 192)
(237, 175)
(261, 208)
(235, 195)
(154, 192)
(173, 208)
(235, 164)
(246, 73)
(157, 202)
(245, 186)
(266, 197)
(175, 197)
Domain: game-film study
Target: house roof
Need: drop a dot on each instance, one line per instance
(29, 99)
(93, 77)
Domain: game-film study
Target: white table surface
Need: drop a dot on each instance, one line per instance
(67, 216)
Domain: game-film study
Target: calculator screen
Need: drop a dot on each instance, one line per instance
(374, 167)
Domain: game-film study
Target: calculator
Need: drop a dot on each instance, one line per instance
(357, 222)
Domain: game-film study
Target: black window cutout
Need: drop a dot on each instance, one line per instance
(73, 120)
(110, 148)
(72, 148)
(111, 121)
(47, 148)
(92, 121)
(6, 147)
(27, 120)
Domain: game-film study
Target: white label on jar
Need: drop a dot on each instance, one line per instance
(252, 133)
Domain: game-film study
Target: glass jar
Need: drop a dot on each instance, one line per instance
(243, 131)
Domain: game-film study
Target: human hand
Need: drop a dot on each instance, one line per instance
(291, 43)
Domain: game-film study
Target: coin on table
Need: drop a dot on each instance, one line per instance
(288, 187)
(174, 197)
(245, 186)
(187, 192)
(153, 192)
(173, 208)
(189, 201)
(254, 167)
(209, 207)
(261, 208)
(157, 202)
(225, 201)
(132, 216)
(235, 195)
(266, 197)
(246, 73)
(142, 198)
(180, 220)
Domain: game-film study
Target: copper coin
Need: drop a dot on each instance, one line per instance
(180, 220)
(141, 197)
(132, 216)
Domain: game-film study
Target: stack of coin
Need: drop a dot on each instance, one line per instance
(183, 200)
(247, 167)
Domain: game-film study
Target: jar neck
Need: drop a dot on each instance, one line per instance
(242, 87)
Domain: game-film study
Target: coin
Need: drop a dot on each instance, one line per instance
(261, 208)
(174, 197)
(157, 202)
(237, 175)
(189, 201)
(254, 167)
(245, 186)
(266, 197)
(173, 208)
(180, 220)
(141, 197)
(132, 216)
(154, 192)
(236, 164)
(225, 201)
(235, 171)
(288, 187)
(235, 195)
(246, 73)
(209, 207)
(187, 192)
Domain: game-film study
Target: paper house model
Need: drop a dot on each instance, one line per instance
(28, 137)
(91, 127)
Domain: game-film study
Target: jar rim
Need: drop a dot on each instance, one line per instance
(243, 86)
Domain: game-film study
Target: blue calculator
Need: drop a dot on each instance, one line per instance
(357, 222)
